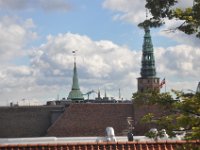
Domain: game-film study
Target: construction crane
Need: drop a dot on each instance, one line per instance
(90, 92)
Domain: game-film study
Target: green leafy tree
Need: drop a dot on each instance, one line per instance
(183, 113)
(161, 9)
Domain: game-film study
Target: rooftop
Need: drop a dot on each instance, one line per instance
(161, 145)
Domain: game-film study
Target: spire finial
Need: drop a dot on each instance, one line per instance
(146, 22)
(146, 14)
(74, 53)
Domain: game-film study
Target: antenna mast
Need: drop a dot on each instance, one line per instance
(119, 94)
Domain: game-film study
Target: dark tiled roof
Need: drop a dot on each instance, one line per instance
(167, 145)
(91, 120)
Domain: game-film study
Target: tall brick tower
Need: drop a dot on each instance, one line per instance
(148, 80)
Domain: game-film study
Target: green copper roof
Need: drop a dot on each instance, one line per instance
(148, 62)
(75, 93)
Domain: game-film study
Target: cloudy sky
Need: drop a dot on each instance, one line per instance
(38, 37)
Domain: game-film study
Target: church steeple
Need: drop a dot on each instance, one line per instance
(75, 93)
(148, 62)
(148, 80)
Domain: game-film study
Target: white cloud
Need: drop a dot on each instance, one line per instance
(179, 63)
(14, 36)
(101, 64)
(50, 5)
(132, 11)
(16, 76)
(184, 4)
(101, 60)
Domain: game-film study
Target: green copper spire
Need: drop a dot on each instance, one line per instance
(148, 69)
(75, 93)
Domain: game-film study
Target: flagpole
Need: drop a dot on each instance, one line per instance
(165, 85)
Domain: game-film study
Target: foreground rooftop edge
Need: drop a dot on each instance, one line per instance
(148, 145)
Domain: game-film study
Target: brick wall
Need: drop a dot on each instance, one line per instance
(142, 109)
(25, 121)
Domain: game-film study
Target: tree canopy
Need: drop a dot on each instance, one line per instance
(184, 113)
(166, 9)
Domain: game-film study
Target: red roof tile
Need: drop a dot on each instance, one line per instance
(164, 145)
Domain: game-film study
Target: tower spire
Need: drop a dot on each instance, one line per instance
(75, 93)
(148, 62)
(148, 80)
